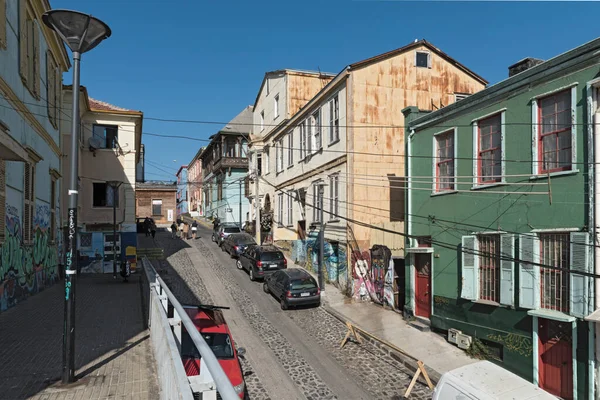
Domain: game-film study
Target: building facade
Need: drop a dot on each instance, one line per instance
(337, 163)
(225, 168)
(195, 185)
(32, 61)
(182, 191)
(110, 140)
(499, 234)
(157, 200)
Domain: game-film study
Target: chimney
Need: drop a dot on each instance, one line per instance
(523, 65)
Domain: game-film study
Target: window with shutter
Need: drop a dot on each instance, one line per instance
(579, 301)
(36, 59)
(2, 200)
(23, 40)
(489, 267)
(470, 265)
(3, 24)
(529, 256)
(507, 263)
(554, 279)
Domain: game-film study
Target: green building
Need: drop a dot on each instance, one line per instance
(500, 220)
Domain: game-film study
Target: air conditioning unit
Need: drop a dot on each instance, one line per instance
(463, 341)
(453, 335)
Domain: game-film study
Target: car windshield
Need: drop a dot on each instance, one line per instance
(303, 283)
(220, 344)
(231, 229)
(272, 256)
(244, 240)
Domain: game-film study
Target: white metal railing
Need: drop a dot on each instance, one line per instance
(212, 378)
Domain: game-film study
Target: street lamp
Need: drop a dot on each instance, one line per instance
(115, 190)
(81, 33)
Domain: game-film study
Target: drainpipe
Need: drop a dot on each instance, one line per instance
(596, 140)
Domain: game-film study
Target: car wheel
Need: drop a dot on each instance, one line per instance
(239, 265)
(283, 304)
(266, 288)
(251, 273)
(212, 238)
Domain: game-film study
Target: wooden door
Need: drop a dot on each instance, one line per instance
(556, 357)
(399, 283)
(423, 285)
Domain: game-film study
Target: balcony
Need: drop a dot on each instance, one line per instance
(230, 162)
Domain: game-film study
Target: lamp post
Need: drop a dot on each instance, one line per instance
(115, 190)
(81, 33)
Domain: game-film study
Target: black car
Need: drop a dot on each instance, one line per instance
(293, 287)
(236, 243)
(140, 224)
(261, 261)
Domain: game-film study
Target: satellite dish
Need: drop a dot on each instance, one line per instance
(95, 143)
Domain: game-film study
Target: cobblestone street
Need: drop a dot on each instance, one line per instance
(302, 344)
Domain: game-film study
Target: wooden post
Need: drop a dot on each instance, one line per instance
(420, 370)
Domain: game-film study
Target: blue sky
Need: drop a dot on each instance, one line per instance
(201, 60)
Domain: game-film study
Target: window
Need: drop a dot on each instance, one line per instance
(316, 119)
(29, 197)
(106, 136)
(334, 197)
(259, 163)
(444, 161)
(334, 120)
(267, 169)
(290, 143)
(318, 202)
(276, 106)
(262, 121)
(310, 128)
(489, 267)
(52, 209)
(423, 59)
(290, 212)
(2, 28)
(555, 120)
(104, 195)
(302, 140)
(280, 209)
(29, 46)
(279, 155)
(489, 153)
(2, 199)
(53, 89)
(157, 207)
(85, 240)
(554, 287)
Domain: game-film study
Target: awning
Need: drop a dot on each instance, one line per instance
(551, 314)
(594, 317)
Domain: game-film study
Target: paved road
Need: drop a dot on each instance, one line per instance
(291, 354)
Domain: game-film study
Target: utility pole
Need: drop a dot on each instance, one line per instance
(257, 200)
(321, 239)
(115, 190)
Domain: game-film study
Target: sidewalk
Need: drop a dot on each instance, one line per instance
(431, 348)
(113, 356)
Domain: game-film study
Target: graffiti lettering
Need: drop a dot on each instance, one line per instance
(521, 345)
(67, 289)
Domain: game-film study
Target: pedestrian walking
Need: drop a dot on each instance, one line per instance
(147, 226)
(194, 229)
(180, 231)
(186, 230)
(153, 229)
(173, 230)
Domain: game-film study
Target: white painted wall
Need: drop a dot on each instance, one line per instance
(276, 85)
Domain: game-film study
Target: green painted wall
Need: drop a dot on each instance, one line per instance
(520, 213)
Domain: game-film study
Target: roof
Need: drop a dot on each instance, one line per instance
(416, 43)
(104, 106)
(156, 185)
(289, 71)
(180, 169)
(584, 53)
(241, 123)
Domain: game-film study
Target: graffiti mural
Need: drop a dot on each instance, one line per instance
(363, 288)
(25, 269)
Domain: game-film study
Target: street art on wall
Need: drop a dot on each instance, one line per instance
(26, 269)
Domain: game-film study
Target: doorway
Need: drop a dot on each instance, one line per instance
(423, 285)
(399, 284)
(556, 357)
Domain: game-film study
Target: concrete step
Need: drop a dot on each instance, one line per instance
(421, 324)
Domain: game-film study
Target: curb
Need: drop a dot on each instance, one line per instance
(407, 361)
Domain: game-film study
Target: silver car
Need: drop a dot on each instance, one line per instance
(224, 231)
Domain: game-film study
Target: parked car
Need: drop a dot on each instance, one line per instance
(261, 261)
(211, 324)
(484, 380)
(223, 231)
(236, 243)
(293, 287)
(141, 227)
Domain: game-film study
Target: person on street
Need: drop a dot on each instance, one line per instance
(153, 229)
(186, 230)
(180, 231)
(194, 229)
(173, 230)
(147, 226)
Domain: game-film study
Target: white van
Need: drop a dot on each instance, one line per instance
(484, 380)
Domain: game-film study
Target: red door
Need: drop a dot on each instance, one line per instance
(423, 285)
(556, 357)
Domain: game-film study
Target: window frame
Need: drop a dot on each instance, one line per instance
(279, 210)
(276, 106)
(334, 197)
(478, 183)
(266, 158)
(106, 188)
(334, 119)
(318, 202)
(290, 208)
(3, 30)
(417, 52)
(316, 134)
(262, 120)
(537, 157)
(436, 164)
(115, 143)
(152, 207)
(290, 150)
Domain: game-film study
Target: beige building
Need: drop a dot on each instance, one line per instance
(350, 137)
(109, 152)
(156, 200)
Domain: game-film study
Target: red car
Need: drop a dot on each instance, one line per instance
(212, 326)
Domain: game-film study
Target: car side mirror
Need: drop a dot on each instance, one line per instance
(241, 351)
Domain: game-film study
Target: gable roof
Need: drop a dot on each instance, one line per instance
(98, 105)
(410, 46)
(288, 71)
(241, 123)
